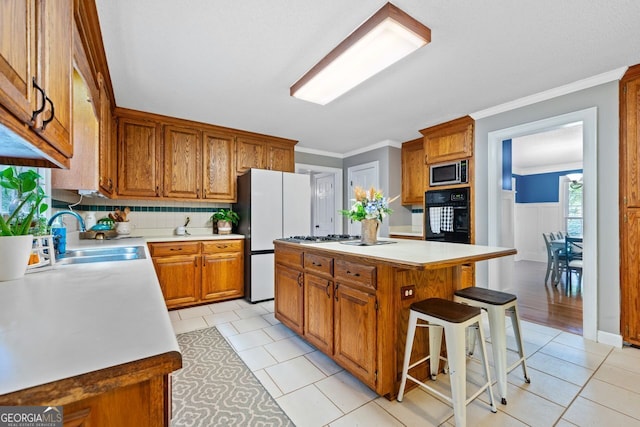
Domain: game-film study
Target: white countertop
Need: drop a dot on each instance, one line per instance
(416, 252)
(75, 319)
(167, 235)
(406, 230)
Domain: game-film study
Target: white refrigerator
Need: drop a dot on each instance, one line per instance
(271, 205)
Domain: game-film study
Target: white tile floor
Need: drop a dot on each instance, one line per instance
(573, 381)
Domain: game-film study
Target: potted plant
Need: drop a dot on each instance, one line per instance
(16, 235)
(224, 219)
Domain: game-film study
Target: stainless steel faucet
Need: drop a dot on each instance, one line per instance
(72, 213)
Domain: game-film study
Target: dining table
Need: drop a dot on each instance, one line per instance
(556, 246)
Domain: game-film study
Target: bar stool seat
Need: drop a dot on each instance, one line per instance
(452, 318)
(497, 305)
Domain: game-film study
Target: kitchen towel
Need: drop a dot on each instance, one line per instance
(435, 215)
(446, 223)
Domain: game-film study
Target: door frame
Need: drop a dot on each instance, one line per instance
(589, 119)
(337, 190)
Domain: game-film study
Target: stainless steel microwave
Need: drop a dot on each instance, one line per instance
(449, 173)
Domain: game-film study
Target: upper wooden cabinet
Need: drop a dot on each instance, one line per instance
(264, 154)
(413, 172)
(218, 166)
(107, 148)
(54, 22)
(182, 153)
(36, 80)
(17, 57)
(449, 141)
(139, 158)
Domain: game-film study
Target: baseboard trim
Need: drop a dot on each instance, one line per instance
(610, 339)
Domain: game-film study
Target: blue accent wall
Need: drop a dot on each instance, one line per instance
(506, 165)
(540, 187)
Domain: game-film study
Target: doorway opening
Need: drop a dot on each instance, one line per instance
(326, 198)
(501, 271)
(544, 208)
(366, 176)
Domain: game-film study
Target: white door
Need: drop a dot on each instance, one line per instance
(365, 176)
(324, 210)
(296, 204)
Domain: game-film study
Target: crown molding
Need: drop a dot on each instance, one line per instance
(385, 143)
(576, 86)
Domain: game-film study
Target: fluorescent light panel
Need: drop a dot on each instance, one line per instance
(385, 38)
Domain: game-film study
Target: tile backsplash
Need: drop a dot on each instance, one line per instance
(417, 217)
(145, 214)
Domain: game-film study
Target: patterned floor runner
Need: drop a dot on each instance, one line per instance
(215, 387)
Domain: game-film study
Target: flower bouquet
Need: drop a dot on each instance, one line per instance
(369, 207)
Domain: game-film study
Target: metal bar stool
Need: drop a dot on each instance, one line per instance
(452, 318)
(497, 304)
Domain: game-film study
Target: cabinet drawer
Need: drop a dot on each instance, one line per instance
(288, 256)
(364, 275)
(318, 263)
(174, 248)
(212, 247)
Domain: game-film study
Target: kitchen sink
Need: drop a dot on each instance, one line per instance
(84, 256)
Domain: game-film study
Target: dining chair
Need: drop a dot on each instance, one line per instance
(559, 235)
(573, 259)
(549, 258)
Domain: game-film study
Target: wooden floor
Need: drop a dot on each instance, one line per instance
(547, 304)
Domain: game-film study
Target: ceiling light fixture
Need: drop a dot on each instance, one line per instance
(385, 38)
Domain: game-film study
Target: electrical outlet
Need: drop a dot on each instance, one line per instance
(407, 292)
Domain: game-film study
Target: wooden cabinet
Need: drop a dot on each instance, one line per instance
(289, 289)
(218, 166)
(414, 173)
(355, 324)
(280, 157)
(17, 57)
(139, 158)
(182, 172)
(198, 161)
(178, 269)
(251, 153)
(332, 304)
(264, 154)
(199, 271)
(222, 270)
(630, 205)
(35, 81)
(54, 20)
(449, 141)
(107, 148)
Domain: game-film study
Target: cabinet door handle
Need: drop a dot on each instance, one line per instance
(157, 190)
(110, 184)
(35, 113)
(197, 192)
(53, 114)
(353, 274)
(195, 262)
(299, 279)
(327, 289)
(335, 292)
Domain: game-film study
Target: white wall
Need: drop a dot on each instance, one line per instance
(533, 219)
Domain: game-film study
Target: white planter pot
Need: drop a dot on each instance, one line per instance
(14, 256)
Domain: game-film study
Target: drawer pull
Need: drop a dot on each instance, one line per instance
(353, 274)
(175, 249)
(222, 246)
(316, 264)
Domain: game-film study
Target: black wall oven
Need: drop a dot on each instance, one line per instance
(447, 215)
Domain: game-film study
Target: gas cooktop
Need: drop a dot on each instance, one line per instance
(320, 239)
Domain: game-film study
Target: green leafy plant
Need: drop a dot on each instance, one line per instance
(226, 215)
(27, 206)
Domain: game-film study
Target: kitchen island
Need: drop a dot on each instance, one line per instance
(352, 302)
(94, 338)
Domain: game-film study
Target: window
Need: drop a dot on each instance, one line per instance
(7, 195)
(573, 210)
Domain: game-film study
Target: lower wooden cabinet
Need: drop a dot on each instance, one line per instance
(199, 271)
(333, 305)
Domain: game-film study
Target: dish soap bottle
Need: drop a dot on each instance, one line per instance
(59, 233)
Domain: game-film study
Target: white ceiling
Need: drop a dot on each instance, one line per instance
(231, 63)
(552, 150)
